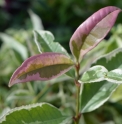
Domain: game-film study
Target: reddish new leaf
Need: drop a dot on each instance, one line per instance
(41, 67)
(92, 31)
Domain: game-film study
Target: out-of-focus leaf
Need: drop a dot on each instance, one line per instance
(20, 94)
(95, 94)
(35, 114)
(41, 67)
(45, 42)
(117, 95)
(92, 31)
(94, 74)
(12, 43)
(36, 21)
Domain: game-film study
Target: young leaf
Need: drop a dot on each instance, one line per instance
(95, 94)
(94, 74)
(41, 67)
(35, 114)
(92, 31)
(45, 42)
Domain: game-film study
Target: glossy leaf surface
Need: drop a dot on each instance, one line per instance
(45, 42)
(92, 31)
(41, 67)
(96, 94)
(35, 114)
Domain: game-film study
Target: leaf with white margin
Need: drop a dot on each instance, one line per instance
(45, 42)
(94, 74)
(95, 94)
(40, 113)
(114, 76)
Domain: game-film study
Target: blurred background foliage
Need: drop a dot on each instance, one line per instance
(18, 19)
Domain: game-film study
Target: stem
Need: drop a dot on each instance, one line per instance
(77, 106)
(77, 109)
(77, 116)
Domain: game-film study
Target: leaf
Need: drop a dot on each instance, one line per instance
(94, 74)
(12, 43)
(36, 21)
(71, 73)
(110, 61)
(99, 73)
(92, 31)
(41, 67)
(45, 42)
(117, 95)
(95, 94)
(42, 113)
(114, 76)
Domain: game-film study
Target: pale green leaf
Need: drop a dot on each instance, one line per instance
(13, 44)
(45, 42)
(114, 76)
(42, 113)
(36, 21)
(94, 74)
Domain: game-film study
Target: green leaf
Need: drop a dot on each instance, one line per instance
(94, 74)
(35, 114)
(95, 94)
(100, 73)
(71, 73)
(117, 95)
(114, 76)
(110, 61)
(45, 42)
(13, 44)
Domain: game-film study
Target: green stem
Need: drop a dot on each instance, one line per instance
(77, 116)
(77, 105)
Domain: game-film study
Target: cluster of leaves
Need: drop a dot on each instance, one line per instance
(101, 73)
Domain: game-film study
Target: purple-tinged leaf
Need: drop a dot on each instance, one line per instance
(41, 67)
(92, 31)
